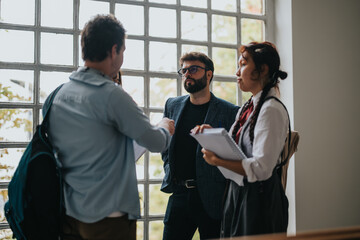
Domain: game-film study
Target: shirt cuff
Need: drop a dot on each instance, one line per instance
(247, 165)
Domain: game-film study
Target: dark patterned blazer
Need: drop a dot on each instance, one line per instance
(210, 182)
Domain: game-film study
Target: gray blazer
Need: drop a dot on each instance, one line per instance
(210, 182)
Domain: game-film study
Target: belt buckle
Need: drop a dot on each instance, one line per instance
(187, 185)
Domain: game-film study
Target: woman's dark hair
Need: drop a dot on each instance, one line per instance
(198, 56)
(99, 35)
(263, 53)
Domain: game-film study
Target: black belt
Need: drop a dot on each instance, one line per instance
(189, 183)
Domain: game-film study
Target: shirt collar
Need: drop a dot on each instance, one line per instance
(90, 76)
(256, 98)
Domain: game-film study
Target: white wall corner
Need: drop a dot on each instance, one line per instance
(283, 41)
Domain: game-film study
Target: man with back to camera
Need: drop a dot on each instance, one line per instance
(197, 187)
(92, 125)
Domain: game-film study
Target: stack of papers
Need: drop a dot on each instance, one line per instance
(219, 141)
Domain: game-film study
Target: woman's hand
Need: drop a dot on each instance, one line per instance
(210, 157)
(213, 160)
(200, 128)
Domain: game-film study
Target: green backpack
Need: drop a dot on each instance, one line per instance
(35, 208)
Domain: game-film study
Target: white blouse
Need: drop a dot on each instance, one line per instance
(270, 133)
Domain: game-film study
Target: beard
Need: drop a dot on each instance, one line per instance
(199, 84)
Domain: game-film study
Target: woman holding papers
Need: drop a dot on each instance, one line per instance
(258, 205)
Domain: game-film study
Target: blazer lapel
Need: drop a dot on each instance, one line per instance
(176, 117)
(179, 110)
(211, 115)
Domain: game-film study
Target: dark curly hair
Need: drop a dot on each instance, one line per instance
(99, 35)
(262, 53)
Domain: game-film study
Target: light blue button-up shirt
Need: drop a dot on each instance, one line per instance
(92, 125)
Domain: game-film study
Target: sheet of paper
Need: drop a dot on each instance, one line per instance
(218, 141)
(138, 150)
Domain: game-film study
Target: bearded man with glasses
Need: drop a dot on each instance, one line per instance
(197, 188)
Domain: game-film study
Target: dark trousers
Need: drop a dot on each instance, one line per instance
(185, 214)
(117, 228)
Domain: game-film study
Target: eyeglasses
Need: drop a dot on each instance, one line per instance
(192, 70)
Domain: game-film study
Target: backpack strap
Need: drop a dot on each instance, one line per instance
(282, 163)
(43, 126)
(48, 104)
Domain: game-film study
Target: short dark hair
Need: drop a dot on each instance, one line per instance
(99, 35)
(198, 56)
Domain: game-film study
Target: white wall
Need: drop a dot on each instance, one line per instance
(283, 39)
(321, 50)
